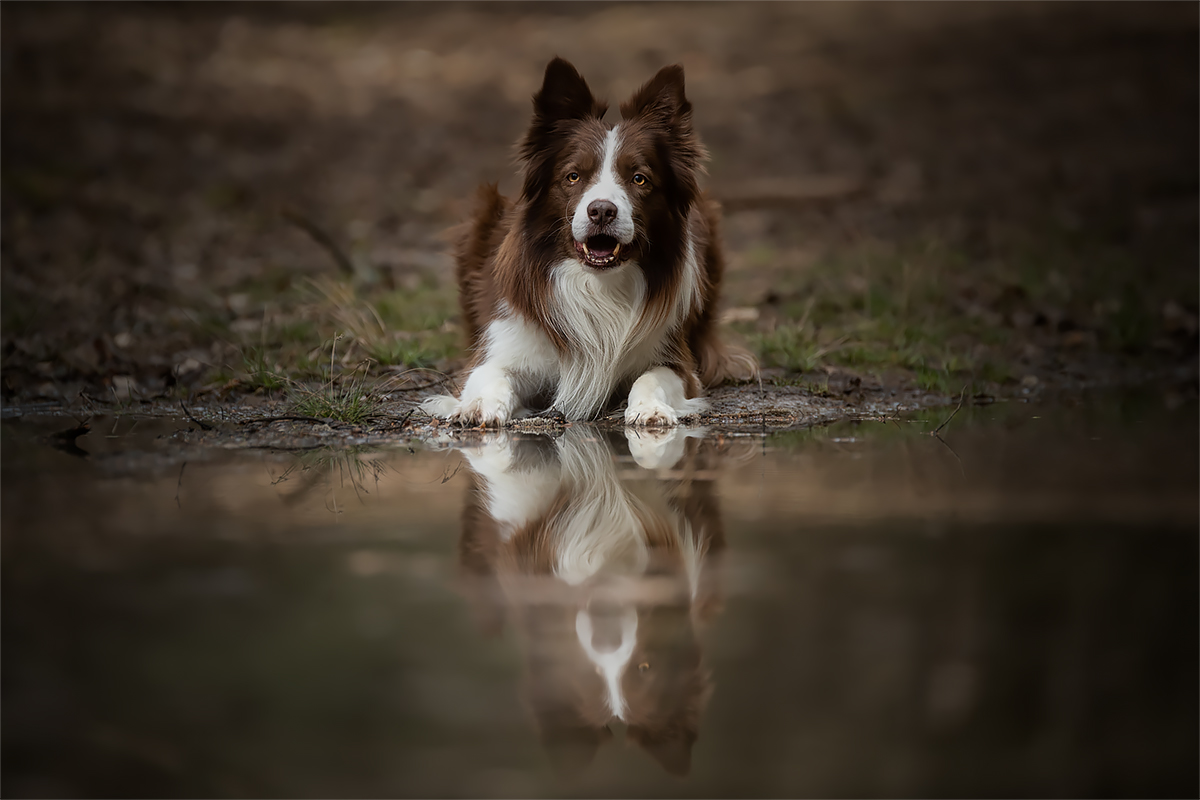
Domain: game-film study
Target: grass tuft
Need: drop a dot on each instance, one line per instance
(340, 398)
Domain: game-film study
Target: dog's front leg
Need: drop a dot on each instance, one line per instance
(488, 398)
(517, 359)
(658, 398)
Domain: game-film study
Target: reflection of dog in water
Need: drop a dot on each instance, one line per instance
(606, 580)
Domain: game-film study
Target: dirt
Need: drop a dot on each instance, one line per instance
(169, 170)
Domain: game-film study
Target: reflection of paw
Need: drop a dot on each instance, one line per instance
(491, 455)
(656, 448)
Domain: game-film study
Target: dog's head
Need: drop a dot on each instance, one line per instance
(606, 194)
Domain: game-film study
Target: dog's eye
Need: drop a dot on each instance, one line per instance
(573, 177)
(642, 667)
(639, 179)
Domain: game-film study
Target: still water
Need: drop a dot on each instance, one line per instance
(855, 610)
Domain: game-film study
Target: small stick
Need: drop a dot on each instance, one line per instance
(446, 477)
(91, 399)
(179, 485)
(320, 237)
(423, 385)
(285, 418)
(204, 426)
(961, 468)
(962, 395)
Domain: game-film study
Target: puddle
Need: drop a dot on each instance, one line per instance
(862, 609)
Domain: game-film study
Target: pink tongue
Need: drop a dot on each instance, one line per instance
(600, 253)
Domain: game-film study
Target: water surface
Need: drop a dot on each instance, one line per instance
(862, 609)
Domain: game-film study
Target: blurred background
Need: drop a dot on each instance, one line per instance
(200, 196)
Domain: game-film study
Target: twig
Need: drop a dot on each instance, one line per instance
(961, 468)
(424, 385)
(320, 237)
(179, 485)
(204, 426)
(91, 399)
(285, 418)
(961, 396)
(446, 477)
(403, 419)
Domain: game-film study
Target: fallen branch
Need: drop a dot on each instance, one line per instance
(204, 426)
(429, 385)
(179, 485)
(320, 237)
(961, 396)
(285, 418)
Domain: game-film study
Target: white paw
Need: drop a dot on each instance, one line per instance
(657, 400)
(487, 399)
(491, 410)
(440, 406)
(650, 413)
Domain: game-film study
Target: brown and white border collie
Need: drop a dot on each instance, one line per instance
(602, 277)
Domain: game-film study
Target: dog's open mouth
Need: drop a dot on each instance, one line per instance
(601, 252)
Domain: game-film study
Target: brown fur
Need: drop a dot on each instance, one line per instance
(508, 250)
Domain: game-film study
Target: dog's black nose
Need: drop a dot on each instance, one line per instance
(602, 212)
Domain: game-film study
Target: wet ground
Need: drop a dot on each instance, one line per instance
(1008, 608)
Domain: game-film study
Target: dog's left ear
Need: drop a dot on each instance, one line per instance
(663, 108)
(661, 99)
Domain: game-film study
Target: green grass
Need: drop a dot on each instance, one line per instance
(259, 371)
(422, 349)
(940, 315)
(344, 398)
(426, 307)
(343, 401)
(794, 347)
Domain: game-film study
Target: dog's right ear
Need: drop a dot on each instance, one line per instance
(564, 95)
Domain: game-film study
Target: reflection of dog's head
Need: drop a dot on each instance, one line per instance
(607, 580)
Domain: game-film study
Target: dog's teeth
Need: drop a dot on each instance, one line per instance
(586, 251)
(616, 250)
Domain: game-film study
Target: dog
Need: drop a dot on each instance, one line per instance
(607, 576)
(602, 277)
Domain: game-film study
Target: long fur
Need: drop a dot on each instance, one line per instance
(549, 328)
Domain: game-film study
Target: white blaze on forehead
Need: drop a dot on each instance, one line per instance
(607, 185)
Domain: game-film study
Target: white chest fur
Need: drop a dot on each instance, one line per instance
(602, 315)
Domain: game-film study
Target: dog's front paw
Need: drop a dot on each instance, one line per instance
(650, 413)
(442, 406)
(657, 400)
(488, 399)
(488, 410)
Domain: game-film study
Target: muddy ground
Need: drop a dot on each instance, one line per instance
(241, 209)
